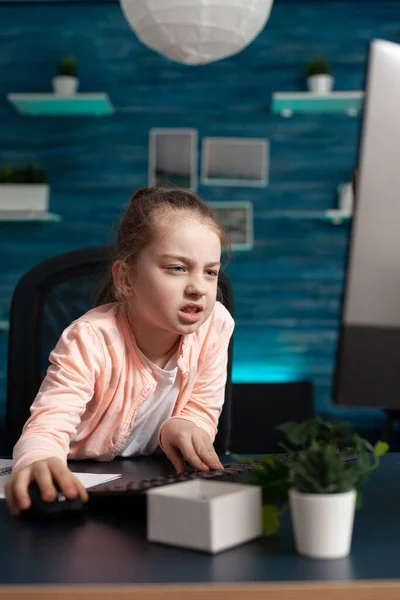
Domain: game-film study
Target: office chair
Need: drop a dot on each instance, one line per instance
(46, 300)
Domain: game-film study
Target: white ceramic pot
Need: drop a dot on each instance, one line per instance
(322, 523)
(320, 84)
(65, 85)
(345, 191)
(25, 197)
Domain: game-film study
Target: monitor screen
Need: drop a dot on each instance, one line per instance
(368, 356)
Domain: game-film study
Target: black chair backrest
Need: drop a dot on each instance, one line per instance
(46, 300)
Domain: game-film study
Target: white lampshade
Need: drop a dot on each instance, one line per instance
(197, 32)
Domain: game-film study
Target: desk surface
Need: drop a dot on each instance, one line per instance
(112, 548)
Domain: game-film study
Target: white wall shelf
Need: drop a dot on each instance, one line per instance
(173, 158)
(236, 218)
(28, 216)
(236, 162)
(336, 217)
(288, 103)
(51, 105)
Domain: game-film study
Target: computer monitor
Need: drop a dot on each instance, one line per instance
(368, 352)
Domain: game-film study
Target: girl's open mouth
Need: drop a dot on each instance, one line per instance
(191, 313)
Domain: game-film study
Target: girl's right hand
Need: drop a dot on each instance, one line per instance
(44, 472)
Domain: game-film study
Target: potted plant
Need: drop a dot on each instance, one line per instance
(319, 482)
(344, 211)
(319, 80)
(65, 83)
(346, 198)
(23, 188)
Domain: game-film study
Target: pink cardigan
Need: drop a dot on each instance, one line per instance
(97, 381)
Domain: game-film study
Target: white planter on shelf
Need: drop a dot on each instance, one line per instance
(345, 191)
(320, 84)
(322, 523)
(24, 197)
(65, 85)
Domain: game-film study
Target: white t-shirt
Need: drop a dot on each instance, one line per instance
(156, 409)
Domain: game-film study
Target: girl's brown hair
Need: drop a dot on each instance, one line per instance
(146, 209)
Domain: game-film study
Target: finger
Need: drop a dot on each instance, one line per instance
(189, 453)
(84, 496)
(176, 458)
(82, 493)
(70, 485)
(10, 499)
(205, 450)
(44, 478)
(207, 454)
(20, 482)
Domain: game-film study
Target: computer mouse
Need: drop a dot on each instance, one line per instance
(60, 508)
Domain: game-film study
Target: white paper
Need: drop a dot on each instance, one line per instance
(88, 479)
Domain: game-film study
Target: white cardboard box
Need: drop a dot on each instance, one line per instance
(204, 515)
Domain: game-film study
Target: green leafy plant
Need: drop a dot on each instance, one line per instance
(318, 66)
(25, 174)
(319, 462)
(67, 67)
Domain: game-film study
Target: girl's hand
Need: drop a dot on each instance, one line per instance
(183, 441)
(44, 472)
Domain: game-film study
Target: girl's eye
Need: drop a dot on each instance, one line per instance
(175, 269)
(180, 269)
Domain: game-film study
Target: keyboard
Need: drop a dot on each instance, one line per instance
(132, 494)
(231, 472)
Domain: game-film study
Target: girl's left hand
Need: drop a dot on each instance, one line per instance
(183, 441)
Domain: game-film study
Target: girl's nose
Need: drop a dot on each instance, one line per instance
(196, 288)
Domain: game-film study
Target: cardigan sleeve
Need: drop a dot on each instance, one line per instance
(76, 362)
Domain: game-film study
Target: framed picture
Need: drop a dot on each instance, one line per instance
(173, 158)
(238, 162)
(236, 218)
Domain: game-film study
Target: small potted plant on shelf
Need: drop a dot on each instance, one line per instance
(24, 188)
(319, 80)
(344, 211)
(65, 83)
(320, 482)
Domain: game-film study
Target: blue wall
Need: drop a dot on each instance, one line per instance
(288, 288)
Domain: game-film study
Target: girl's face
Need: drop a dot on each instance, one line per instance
(174, 284)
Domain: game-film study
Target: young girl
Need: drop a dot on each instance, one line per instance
(145, 370)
